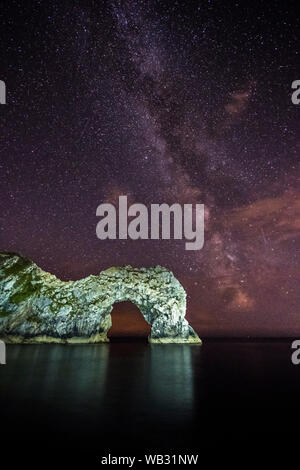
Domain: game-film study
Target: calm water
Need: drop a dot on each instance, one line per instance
(128, 398)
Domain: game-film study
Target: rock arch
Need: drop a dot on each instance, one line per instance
(128, 322)
(35, 306)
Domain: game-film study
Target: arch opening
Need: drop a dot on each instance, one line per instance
(128, 322)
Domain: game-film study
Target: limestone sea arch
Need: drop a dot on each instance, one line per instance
(36, 306)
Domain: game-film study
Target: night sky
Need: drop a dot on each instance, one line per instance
(162, 101)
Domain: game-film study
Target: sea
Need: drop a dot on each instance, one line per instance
(229, 401)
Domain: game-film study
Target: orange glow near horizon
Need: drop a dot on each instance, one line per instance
(128, 321)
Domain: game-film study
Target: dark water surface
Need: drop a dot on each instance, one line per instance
(79, 402)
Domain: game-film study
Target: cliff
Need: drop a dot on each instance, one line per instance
(36, 306)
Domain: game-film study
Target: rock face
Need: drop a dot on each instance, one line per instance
(35, 306)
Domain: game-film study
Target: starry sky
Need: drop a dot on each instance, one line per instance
(162, 101)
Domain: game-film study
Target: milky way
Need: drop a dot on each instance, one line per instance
(161, 101)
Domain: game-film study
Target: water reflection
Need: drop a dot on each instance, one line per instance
(172, 382)
(126, 396)
(122, 386)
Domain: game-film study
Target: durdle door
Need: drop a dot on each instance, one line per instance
(36, 306)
